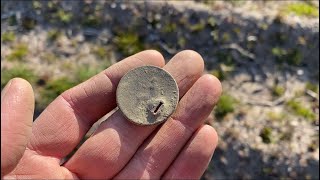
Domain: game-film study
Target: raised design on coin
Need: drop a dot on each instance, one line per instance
(147, 95)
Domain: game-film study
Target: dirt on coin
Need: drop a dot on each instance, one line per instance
(147, 95)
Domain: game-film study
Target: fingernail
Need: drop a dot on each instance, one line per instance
(5, 89)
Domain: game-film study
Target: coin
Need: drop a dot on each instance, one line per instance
(147, 95)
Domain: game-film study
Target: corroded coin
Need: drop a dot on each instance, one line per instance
(147, 95)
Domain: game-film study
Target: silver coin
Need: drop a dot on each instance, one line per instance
(147, 95)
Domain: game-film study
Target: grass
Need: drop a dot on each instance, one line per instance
(17, 71)
(91, 21)
(299, 109)
(28, 23)
(18, 53)
(182, 41)
(313, 146)
(222, 73)
(198, 27)
(290, 56)
(280, 38)
(226, 37)
(49, 57)
(36, 4)
(212, 22)
(278, 90)
(266, 135)
(286, 136)
(276, 116)
(225, 105)
(302, 9)
(12, 20)
(54, 88)
(312, 87)
(64, 16)
(219, 74)
(278, 52)
(225, 58)
(86, 72)
(128, 43)
(100, 52)
(53, 34)
(8, 36)
(169, 28)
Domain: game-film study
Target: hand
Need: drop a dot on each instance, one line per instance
(180, 148)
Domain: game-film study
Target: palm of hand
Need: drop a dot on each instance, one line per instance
(118, 149)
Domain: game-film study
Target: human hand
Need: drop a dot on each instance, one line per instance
(180, 148)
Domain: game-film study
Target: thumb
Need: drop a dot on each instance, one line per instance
(17, 107)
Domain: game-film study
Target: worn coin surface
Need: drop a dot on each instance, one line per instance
(147, 95)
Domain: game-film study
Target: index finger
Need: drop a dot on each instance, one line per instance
(61, 126)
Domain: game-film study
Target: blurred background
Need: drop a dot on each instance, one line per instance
(266, 53)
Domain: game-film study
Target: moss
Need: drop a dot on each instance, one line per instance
(302, 9)
(278, 52)
(8, 36)
(291, 56)
(28, 23)
(49, 57)
(67, 65)
(86, 72)
(219, 74)
(198, 27)
(53, 34)
(276, 116)
(225, 105)
(64, 16)
(294, 57)
(263, 26)
(215, 36)
(12, 20)
(237, 31)
(52, 5)
(279, 19)
(169, 28)
(212, 22)
(312, 87)
(301, 110)
(266, 135)
(181, 41)
(222, 72)
(18, 53)
(236, 2)
(278, 90)
(100, 52)
(280, 38)
(226, 37)
(54, 88)
(286, 136)
(267, 170)
(313, 146)
(225, 58)
(128, 43)
(36, 5)
(91, 21)
(17, 71)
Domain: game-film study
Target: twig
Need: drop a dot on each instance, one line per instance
(312, 94)
(240, 50)
(267, 103)
(276, 102)
(167, 48)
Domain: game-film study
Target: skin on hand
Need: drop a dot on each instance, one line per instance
(118, 149)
